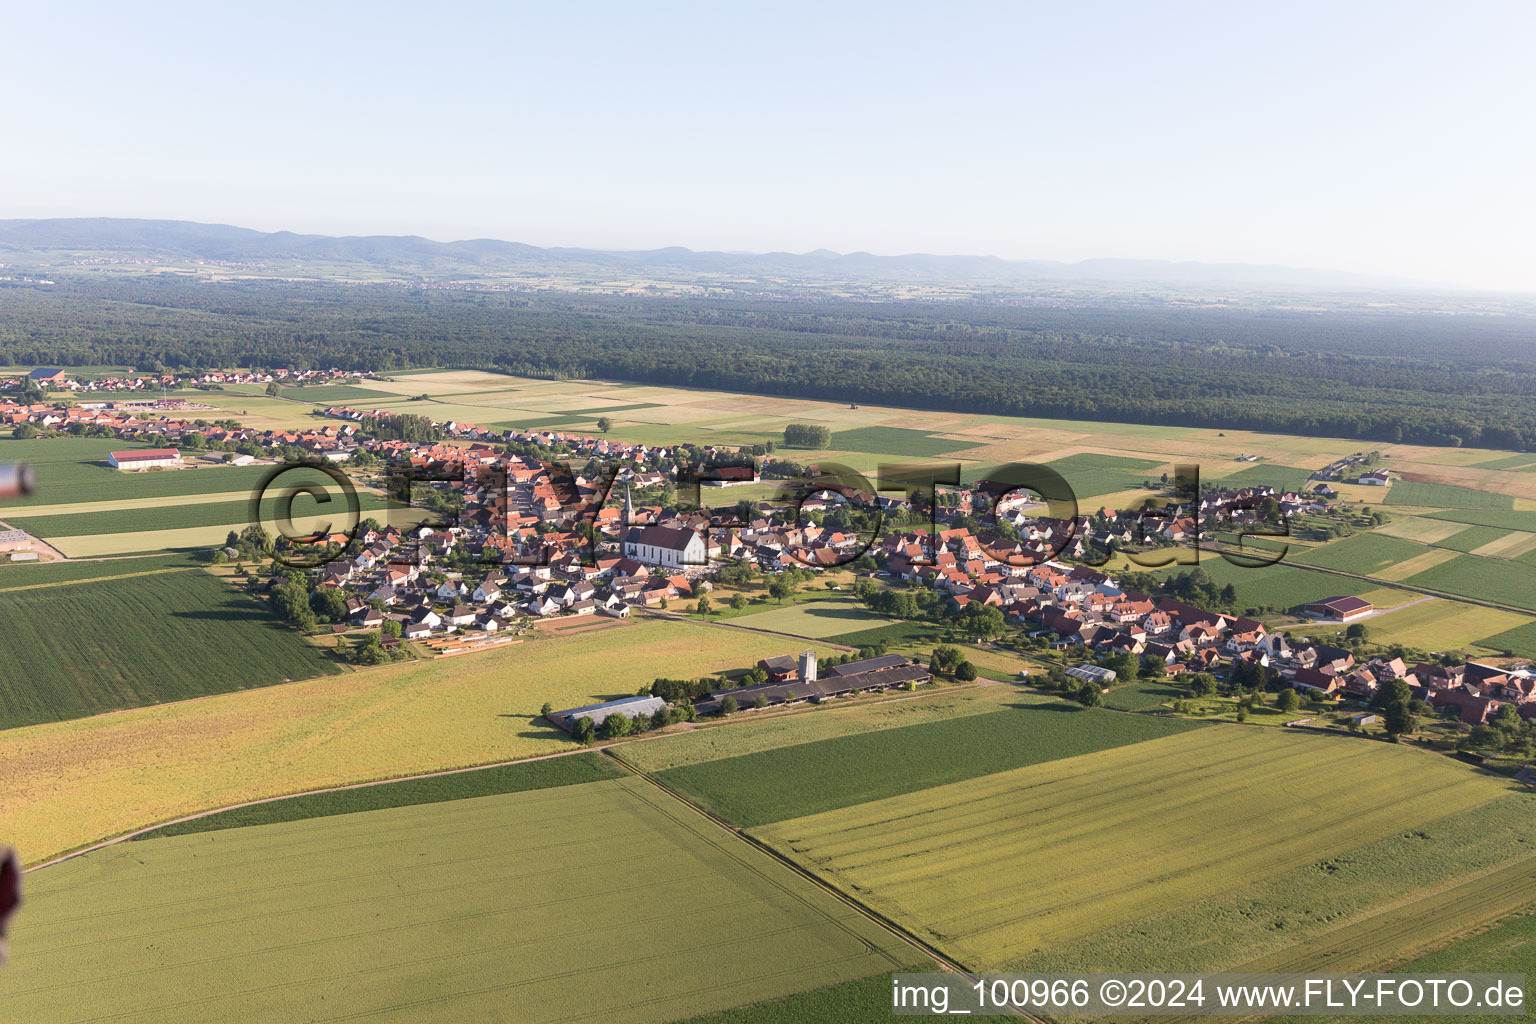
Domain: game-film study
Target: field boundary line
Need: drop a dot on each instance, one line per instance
(938, 956)
(100, 579)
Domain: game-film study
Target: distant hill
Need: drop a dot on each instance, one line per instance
(412, 254)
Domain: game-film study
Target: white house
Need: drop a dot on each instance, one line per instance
(668, 547)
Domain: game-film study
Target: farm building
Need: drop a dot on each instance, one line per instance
(147, 458)
(865, 676)
(48, 375)
(630, 707)
(1092, 674)
(1339, 609)
(14, 540)
(1376, 478)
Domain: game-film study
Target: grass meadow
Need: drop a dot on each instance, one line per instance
(1110, 837)
(104, 645)
(609, 901)
(67, 784)
(72, 469)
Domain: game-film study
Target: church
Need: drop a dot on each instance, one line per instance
(666, 546)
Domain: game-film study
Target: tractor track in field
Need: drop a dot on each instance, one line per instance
(932, 952)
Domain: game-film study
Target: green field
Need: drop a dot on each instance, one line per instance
(1509, 948)
(750, 734)
(1370, 906)
(90, 647)
(71, 469)
(898, 633)
(866, 1001)
(1472, 538)
(1364, 553)
(1281, 478)
(1280, 585)
(897, 441)
(1521, 640)
(234, 514)
(820, 618)
(1489, 579)
(14, 575)
(605, 901)
(1404, 492)
(1090, 475)
(1142, 695)
(1504, 520)
(788, 782)
(512, 778)
(338, 394)
(1108, 838)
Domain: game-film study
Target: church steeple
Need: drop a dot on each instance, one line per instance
(629, 508)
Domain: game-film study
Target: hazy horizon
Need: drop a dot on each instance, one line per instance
(1378, 139)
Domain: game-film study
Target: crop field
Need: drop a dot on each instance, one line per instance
(66, 482)
(1503, 519)
(787, 782)
(336, 394)
(67, 784)
(15, 575)
(1111, 837)
(1490, 579)
(905, 632)
(751, 733)
(1281, 478)
(1365, 553)
(1142, 695)
(1424, 529)
(821, 618)
(545, 773)
(1521, 640)
(865, 1001)
(1473, 537)
(236, 514)
(88, 647)
(1405, 492)
(604, 901)
(1420, 563)
(1436, 625)
(1363, 909)
(1509, 948)
(1280, 586)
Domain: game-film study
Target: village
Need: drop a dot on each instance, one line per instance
(514, 542)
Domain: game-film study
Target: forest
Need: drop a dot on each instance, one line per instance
(1375, 375)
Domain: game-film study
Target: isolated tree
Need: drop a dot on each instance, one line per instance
(604, 424)
(738, 601)
(273, 390)
(705, 607)
(728, 706)
(1356, 631)
(1289, 700)
(1090, 696)
(1399, 720)
(582, 731)
(546, 709)
(965, 672)
(760, 701)
(1202, 684)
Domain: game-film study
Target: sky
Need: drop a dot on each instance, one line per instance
(1387, 138)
